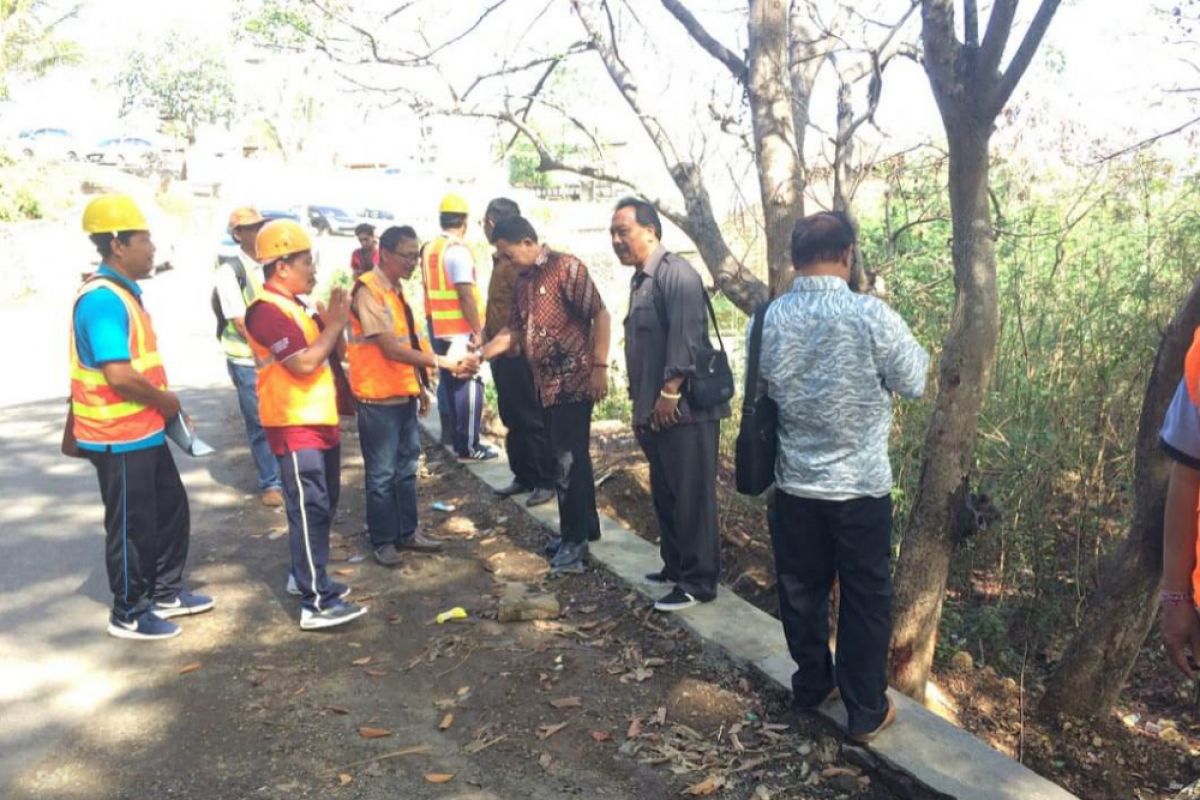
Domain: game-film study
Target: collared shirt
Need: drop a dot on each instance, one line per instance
(499, 296)
(831, 360)
(102, 337)
(667, 322)
(374, 317)
(554, 305)
(278, 333)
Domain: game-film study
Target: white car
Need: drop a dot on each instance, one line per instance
(48, 144)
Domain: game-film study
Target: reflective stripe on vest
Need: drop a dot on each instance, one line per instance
(285, 398)
(374, 376)
(102, 416)
(442, 303)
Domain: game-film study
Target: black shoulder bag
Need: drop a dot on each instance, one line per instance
(710, 380)
(758, 438)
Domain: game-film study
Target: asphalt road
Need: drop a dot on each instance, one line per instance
(56, 665)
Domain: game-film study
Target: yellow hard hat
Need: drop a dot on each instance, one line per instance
(453, 204)
(113, 213)
(279, 238)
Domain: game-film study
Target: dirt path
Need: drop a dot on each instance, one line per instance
(610, 700)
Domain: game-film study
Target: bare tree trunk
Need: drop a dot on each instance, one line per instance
(780, 171)
(970, 91)
(1102, 652)
(968, 353)
(699, 222)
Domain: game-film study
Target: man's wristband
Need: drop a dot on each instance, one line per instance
(1166, 598)
(670, 395)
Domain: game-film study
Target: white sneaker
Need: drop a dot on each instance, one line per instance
(342, 590)
(331, 616)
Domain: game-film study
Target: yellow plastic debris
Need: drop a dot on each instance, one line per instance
(458, 612)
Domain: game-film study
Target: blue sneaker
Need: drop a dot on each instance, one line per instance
(185, 603)
(147, 627)
(340, 589)
(337, 613)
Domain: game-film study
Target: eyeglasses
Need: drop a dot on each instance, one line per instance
(407, 256)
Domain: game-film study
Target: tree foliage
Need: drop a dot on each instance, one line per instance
(185, 83)
(29, 42)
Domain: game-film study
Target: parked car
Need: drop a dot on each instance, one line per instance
(49, 144)
(331, 219)
(123, 151)
(377, 217)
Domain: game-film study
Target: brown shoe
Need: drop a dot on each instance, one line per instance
(388, 555)
(271, 498)
(420, 543)
(888, 719)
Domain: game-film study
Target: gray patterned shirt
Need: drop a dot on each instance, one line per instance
(831, 360)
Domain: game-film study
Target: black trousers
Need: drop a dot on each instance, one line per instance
(683, 486)
(570, 429)
(147, 526)
(311, 484)
(527, 442)
(815, 540)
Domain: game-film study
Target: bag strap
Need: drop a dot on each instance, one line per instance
(662, 312)
(750, 394)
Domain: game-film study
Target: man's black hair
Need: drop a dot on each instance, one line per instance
(514, 230)
(501, 208)
(364, 227)
(392, 237)
(448, 220)
(821, 237)
(103, 241)
(645, 214)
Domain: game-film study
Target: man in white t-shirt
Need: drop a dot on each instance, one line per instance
(238, 280)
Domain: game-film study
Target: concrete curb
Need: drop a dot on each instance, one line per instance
(936, 754)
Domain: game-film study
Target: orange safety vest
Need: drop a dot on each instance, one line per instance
(103, 417)
(1191, 379)
(374, 376)
(285, 398)
(442, 304)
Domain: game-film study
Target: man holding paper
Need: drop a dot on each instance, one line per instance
(120, 405)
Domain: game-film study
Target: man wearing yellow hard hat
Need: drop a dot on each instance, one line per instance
(454, 312)
(298, 406)
(237, 281)
(120, 406)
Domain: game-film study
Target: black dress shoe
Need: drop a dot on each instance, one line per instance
(539, 496)
(513, 488)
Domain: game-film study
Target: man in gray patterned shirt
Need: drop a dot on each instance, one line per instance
(831, 360)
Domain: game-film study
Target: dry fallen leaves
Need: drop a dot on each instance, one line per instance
(344, 572)
(601, 736)
(344, 778)
(705, 787)
(546, 731)
(438, 777)
(361, 662)
(567, 702)
(376, 673)
(195, 665)
(339, 710)
(373, 733)
(635, 728)
(446, 722)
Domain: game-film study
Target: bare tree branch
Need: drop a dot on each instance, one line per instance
(553, 60)
(1148, 141)
(697, 31)
(995, 39)
(971, 23)
(1020, 61)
